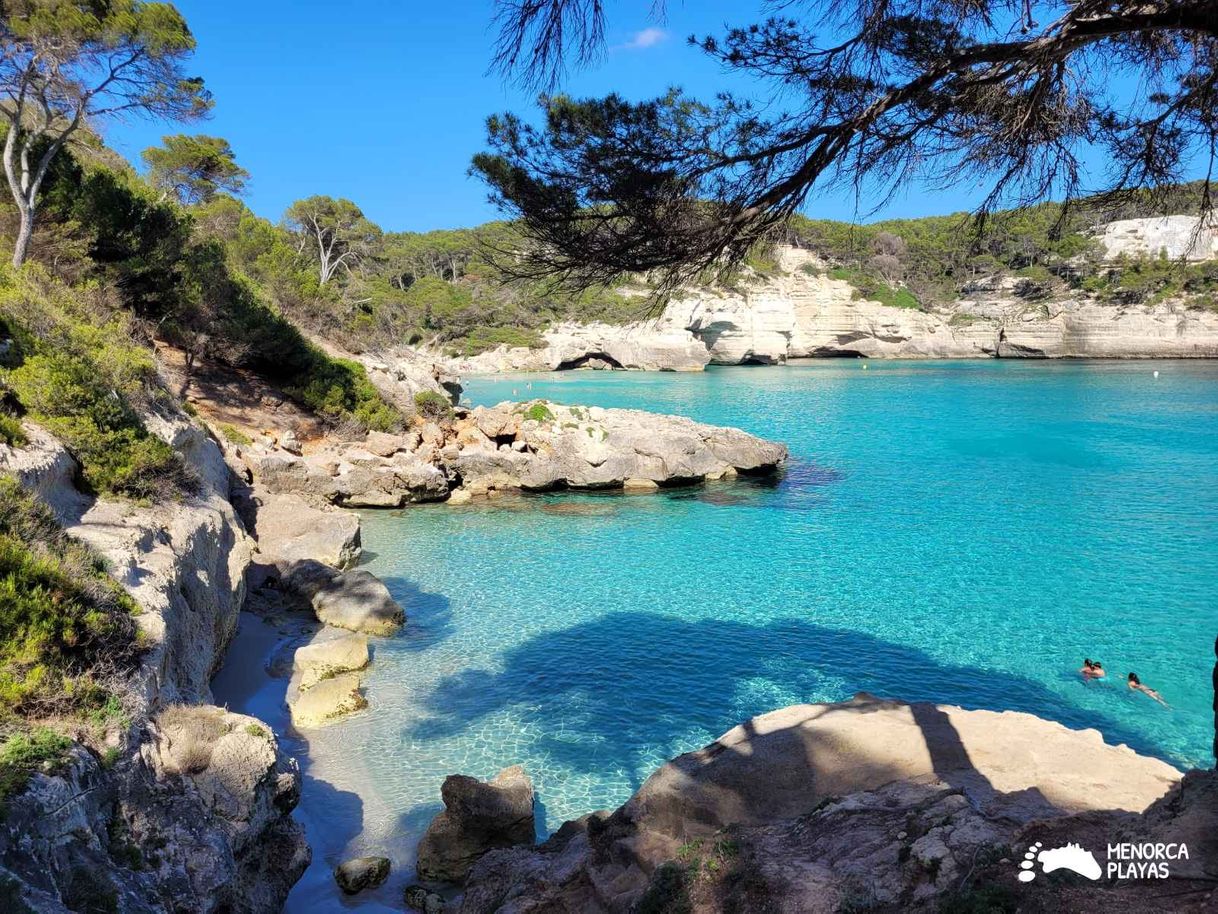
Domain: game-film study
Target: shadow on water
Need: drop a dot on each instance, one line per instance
(429, 616)
(633, 684)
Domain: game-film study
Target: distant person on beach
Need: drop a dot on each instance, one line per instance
(1136, 684)
(1092, 669)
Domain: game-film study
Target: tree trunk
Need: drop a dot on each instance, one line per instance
(22, 246)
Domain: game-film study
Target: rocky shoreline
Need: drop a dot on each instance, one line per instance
(872, 802)
(870, 805)
(191, 808)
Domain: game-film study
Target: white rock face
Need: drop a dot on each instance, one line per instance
(399, 374)
(595, 448)
(802, 312)
(1174, 236)
(209, 790)
(647, 346)
(183, 561)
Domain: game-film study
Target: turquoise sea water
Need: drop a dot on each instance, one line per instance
(963, 532)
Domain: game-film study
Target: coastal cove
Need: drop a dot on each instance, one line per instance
(962, 532)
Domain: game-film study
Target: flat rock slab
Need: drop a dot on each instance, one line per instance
(784, 763)
(330, 651)
(328, 700)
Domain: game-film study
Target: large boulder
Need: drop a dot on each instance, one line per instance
(556, 447)
(356, 600)
(365, 480)
(478, 816)
(292, 529)
(330, 651)
(327, 700)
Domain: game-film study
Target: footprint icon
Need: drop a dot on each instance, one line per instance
(1026, 866)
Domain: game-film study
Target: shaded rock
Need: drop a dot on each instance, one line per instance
(477, 817)
(418, 898)
(327, 700)
(359, 601)
(353, 876)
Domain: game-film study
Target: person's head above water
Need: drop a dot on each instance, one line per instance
(1133, 677)
(1087, 662)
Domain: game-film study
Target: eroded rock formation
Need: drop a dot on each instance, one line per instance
(194, 811)
(867, 804)
(801, 311)
(535, 446)
(478, 817)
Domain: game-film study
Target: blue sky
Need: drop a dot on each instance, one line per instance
(384, 101)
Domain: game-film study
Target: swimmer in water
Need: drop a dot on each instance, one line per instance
(1136, 684)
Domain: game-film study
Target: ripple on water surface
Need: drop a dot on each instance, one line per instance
(962, 532)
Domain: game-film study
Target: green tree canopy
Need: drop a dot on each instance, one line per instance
(336, 232)
(65, 64)
(863, 95)
(194, 168)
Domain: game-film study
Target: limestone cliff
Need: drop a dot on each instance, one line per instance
(192, 810)
(800, 310)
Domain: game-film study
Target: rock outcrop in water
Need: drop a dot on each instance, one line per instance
(864, 805)
(478, 817)
(535, 446)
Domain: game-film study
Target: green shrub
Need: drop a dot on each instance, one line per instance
(23, 754)
(873, 289)
(234, 435)
(989, 899)
(62, 619)
(482, 339)
(539, 412)
(11, 898)
(667, 893)
(432, 404)
(88, 891)
(10, 430)
(66, 393)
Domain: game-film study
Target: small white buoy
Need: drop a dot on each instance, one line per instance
(864, 366)
(1156, 372)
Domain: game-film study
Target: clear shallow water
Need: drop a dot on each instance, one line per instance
(963, 532)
